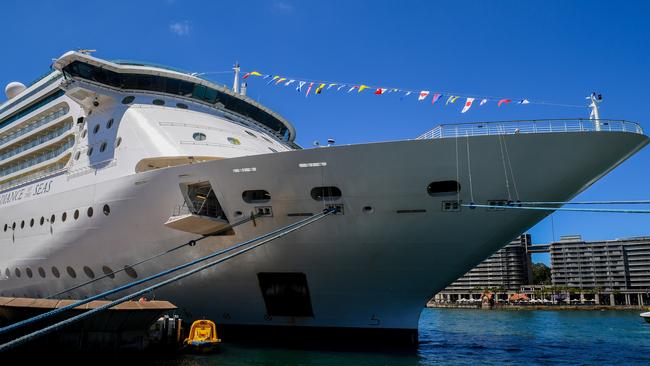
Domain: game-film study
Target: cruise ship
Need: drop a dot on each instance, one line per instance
(104, 163)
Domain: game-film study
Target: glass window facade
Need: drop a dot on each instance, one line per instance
(175, 87)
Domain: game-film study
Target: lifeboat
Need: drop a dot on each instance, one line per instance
(202, 337)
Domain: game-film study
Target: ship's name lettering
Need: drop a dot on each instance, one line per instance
(26, 192)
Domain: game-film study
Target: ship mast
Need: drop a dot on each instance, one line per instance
(595, 114)
(235, 84)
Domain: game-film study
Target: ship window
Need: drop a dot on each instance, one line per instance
(83, 133)
(29, 272)
(250, 133)
(256, 196)
(130, 271)
(181, 105)
(109, 124)
(272, 149)
(6, 227)
(55, 272)
(102, 147)
(71, 272)
(76, 214)
(13, 226)
(267, 140)
(77, 155)
(90, 151)
(234, 141)
(17, 272)
(89, 272)
(80, 120)
(158, 102)
(90, 212)
(22, 224)
(326, 193)
(106, 210)
(108, 271)
(128, 99)
(64, 216)
(7, 273)
(443, 188)
(285, 294)
(96, 129)
(199, 136)
(31, 222)
(52, 218)
(42, 220)
(41, 272)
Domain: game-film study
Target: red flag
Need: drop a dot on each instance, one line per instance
(435, 98)
(503, 101)
(380, 91)
(309, 89)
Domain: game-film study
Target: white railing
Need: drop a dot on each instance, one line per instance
(30, 126)
(530, 126)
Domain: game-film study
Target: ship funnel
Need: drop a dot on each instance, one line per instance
(243, 89)
(14, 88)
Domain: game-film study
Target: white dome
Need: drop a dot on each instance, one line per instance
(14, 88)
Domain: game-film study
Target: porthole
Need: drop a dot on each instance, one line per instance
(130, 271)
(106, 210)
(443, 188)
(31, 223)
(267, 140)
(52, 219)
(128, 99)
(29, 273)
(84, 133)
(108, 271)
(76, 214)
(181, 105)
(250, 133)
(109, 124)
(118, 141)
(6, 227)
(17, 272)
(89, 272)
(102, 147)
(42, 220)
(64, 216)
(256, 196)
(199, 136)
(77, 155)
(22, 224)
(234, 141)
(326, 193)
(7, 273)
(90, 151)
(71, 272)
(272, 149)
(158, 102)
(368, 209)
(55, 272)
(90, 212)
(238, 213)
(41, 272)
(96, 129)
(13, 226)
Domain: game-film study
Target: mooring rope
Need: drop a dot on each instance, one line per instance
(541, 203)
(514, 207)
(39, 333)
(152, 277)
(113, 273)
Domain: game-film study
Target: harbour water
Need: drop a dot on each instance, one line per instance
(471, 337)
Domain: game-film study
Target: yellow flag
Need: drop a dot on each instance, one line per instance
(280, 80)
(320, 88)
(255, 73)
(454, 99)
(361, 87)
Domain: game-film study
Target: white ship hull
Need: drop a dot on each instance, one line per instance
(371, 270)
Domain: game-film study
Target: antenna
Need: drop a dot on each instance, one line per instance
(86, 51)
(235, 84)
(595, 114)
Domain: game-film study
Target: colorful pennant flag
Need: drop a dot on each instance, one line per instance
(330, 86)
(380, 91)
(340, 87)
(524, 101)
(252, 73)
(289, 82)
(423, 95)
(468, 105)
(352, 88)
(273, 79)
(300, 85)
(435, 98)
(503, 101)
(451, 99)
(266, 76)
(280, 80)
(309, 89)
(362, 87)
(483, 102)
(320, 88)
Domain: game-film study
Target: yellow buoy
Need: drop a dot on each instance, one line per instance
(203, 336)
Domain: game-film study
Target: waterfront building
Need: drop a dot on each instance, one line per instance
(507, 270)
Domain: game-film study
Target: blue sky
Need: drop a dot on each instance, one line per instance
(556, 51)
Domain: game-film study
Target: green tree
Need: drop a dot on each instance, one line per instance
(541, 274)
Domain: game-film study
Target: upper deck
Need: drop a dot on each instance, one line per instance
(530, 126)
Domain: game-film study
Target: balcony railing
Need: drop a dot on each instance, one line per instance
(530, 126)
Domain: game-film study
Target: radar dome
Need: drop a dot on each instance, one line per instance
(14, 88)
